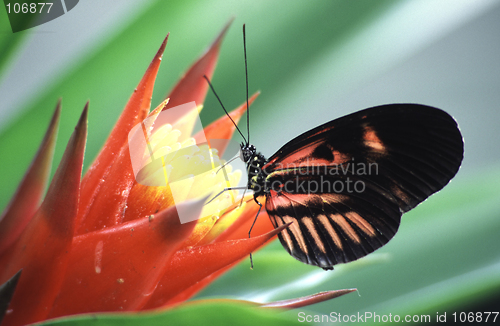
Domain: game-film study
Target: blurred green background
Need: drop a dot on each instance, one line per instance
(313, 62)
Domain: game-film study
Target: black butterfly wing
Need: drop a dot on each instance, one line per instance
(397, 155)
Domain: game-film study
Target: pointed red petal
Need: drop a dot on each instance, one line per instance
(192, 86)
(108, 206)
(118, 268)
(224, 128)
(307, 300)
(111, 205)
(42, 250)
(135, 111)
(30, 192)
(190, 266)
(145, 200)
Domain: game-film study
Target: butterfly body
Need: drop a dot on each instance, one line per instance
(345, 184)
(254, 162)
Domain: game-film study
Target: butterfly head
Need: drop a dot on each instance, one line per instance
(247, 151)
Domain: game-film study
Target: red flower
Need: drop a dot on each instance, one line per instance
(108, 243)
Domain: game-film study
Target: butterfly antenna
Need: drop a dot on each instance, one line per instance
(246, 77)
(232, 159)
(217, 96)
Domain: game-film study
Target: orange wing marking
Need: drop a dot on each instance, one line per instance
(297, 233)
(308, 222)
(326, 223)
(346, 227)
(371, 140)
(361, 223)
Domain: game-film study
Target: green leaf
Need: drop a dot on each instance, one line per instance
(9, 42)
(207, 313)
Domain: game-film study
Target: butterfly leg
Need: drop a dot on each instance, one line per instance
(243, 197)
(250, 231)
(224, 190)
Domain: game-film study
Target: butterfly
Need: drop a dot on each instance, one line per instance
(344, 185)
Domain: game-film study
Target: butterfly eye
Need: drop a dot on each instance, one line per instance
(242, 156)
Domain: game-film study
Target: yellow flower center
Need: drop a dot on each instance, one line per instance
(176, 169)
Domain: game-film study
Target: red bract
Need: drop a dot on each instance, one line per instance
(108, 243)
